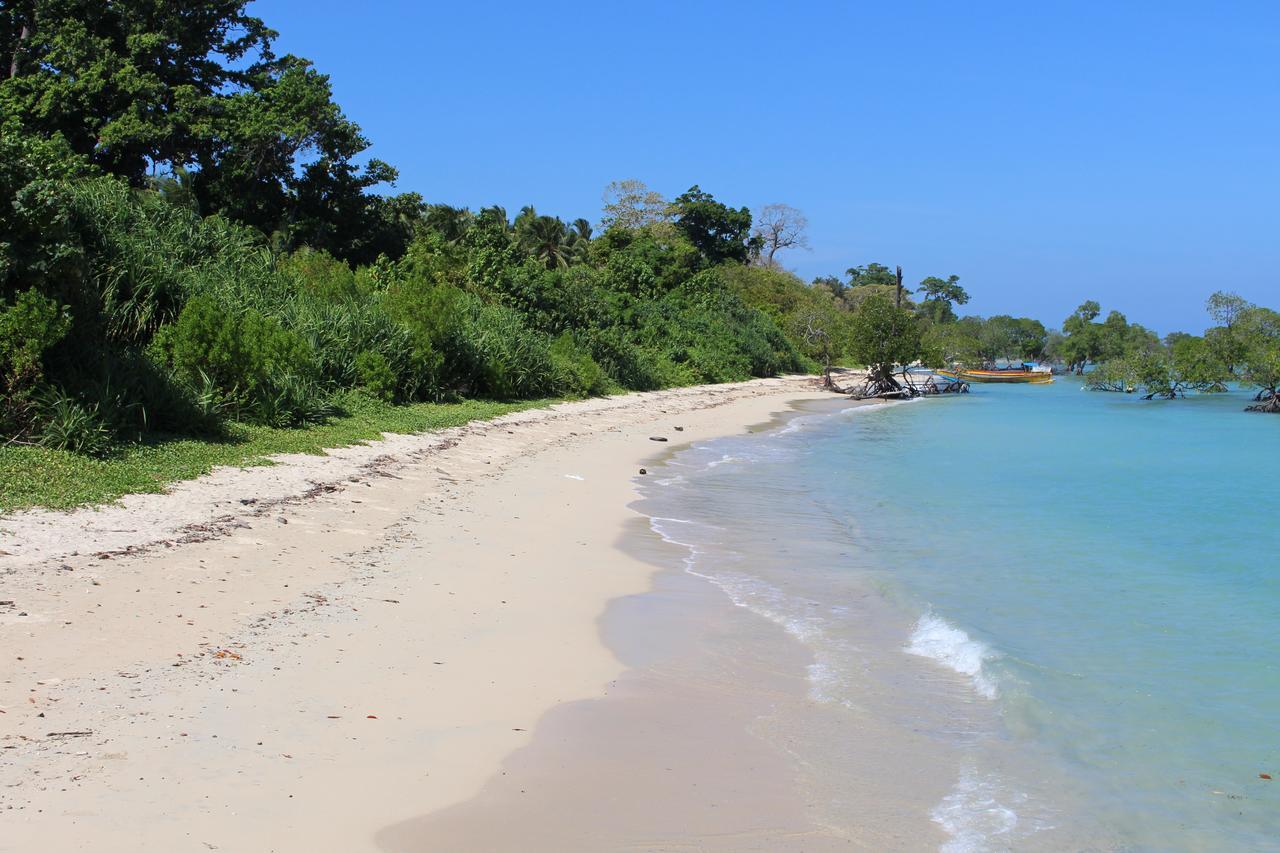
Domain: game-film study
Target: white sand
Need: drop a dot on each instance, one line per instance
(302, 672)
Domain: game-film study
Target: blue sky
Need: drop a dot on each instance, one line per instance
(1046, 153)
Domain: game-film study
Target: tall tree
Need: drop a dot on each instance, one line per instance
(1081, 342)
(871, 274)
(779, 227)
(718, 231)
(153, 87)
(1226, 309)
(883, 336)
(545, 238)
(451, 223)
(578, 240)
(129, 84)
(939, 297)
(1260, 363)
(631, 204)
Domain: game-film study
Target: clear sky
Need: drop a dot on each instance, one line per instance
(1045, 152)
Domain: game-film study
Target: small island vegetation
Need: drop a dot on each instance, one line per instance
(1243, 347)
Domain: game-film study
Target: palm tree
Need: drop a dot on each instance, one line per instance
(526, 215)
(492, 215)
(545, 238)
(578, 238)
(449, 222)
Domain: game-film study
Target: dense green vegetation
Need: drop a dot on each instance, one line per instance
(1243, 346)
(197, 261)
(190, 245)
(193, 246)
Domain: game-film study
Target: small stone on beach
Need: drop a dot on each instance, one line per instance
(657, 438)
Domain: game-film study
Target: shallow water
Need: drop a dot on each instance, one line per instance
(1073, 595)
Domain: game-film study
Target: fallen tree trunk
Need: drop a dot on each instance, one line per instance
(884, 385)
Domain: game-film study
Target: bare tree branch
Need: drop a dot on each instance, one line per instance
(780, 226)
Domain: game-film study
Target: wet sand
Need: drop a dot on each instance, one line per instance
(702, 744)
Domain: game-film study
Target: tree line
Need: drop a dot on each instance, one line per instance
(190, 238)
(1243, 346)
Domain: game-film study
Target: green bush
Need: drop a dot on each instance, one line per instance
(263, 371)
(713, 335)
(291, 400)
(38, 245)
(441, 354)
(28, 328)
(338, 333)
(145, 257)
(320, 275)
(626, 364)
(514, 361)
(577, 374)
(68, 424)
(376, 375)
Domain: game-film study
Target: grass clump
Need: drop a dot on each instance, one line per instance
(32, 476)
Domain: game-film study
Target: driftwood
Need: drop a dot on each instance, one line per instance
(1268, 400)
(900, 386)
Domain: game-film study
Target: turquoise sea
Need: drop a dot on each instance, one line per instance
(1093, 578)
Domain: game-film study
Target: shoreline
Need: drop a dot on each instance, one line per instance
(370, 654)
(682, 750)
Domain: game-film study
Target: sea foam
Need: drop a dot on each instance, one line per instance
(976, 814)
(828, 675)
(936, 638)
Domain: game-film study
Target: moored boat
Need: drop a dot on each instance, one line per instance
(1029, 374)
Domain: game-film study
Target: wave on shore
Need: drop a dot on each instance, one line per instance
(974, 815)
(939, 640)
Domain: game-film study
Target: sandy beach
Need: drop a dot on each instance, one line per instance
(345, 652)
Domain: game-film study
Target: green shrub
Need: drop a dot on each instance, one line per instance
(38, 245)
(338, 333)
(514, 360)
(376, 375)
(264, 371)
(68, 424)
(28, 328)
(441, 354)
(626, 364)
(320, 275)
(718, 363)
(145, 257)
(290, 401)
(671, 374)
(577, 374)
(714, 335)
